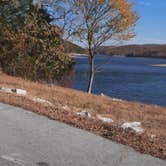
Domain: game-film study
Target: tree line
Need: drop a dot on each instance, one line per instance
(146, 50)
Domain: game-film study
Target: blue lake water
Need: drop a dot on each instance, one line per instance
(132, 79)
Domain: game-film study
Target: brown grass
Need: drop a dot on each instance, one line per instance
(153, 118)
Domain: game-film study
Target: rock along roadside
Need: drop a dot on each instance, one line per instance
(28, 139)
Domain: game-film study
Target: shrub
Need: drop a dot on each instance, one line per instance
(33, 50)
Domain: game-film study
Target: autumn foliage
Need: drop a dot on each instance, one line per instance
(96, 22)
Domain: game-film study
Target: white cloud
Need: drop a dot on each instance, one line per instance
(141, 40)
(143, 3)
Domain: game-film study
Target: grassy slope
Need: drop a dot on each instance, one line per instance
(153, 118)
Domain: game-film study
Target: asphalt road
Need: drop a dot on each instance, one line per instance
(27, 139)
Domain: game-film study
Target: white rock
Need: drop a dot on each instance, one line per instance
(65, 107)
(102, 94)
(39, 100)
(21, 92)
(84, 114)
(153, 136)
(105, 119)
(13, 90)
(7, 90)
(115, 99)
(136, 126)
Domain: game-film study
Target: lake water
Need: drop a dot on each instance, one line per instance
(132, 79)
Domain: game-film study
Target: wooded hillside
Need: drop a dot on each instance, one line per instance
(70, 47)
(147, 50)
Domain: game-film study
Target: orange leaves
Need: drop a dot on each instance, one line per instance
(125, 19)
(126, 11)
(122, 17)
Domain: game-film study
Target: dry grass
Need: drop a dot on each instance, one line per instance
(153, 118)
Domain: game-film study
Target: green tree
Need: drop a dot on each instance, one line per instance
(30, 46)
(12, 12)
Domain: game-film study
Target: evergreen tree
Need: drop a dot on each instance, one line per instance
(30, 46)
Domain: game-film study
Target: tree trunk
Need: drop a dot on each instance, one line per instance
(92, 74)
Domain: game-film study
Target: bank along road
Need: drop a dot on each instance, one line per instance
(28, 139)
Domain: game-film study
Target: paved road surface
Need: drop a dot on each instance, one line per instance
(27, 139)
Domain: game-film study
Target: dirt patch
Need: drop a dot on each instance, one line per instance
(67, 102)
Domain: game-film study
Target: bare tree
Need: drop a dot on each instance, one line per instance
(94, 22)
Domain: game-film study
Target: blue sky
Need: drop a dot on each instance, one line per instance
(151, 27)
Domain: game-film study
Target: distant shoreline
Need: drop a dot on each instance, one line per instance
(146, 50)
(73, 55)
(131, 56)
(159, 65)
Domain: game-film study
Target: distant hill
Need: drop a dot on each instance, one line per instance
(147, 50)
(70, 47)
